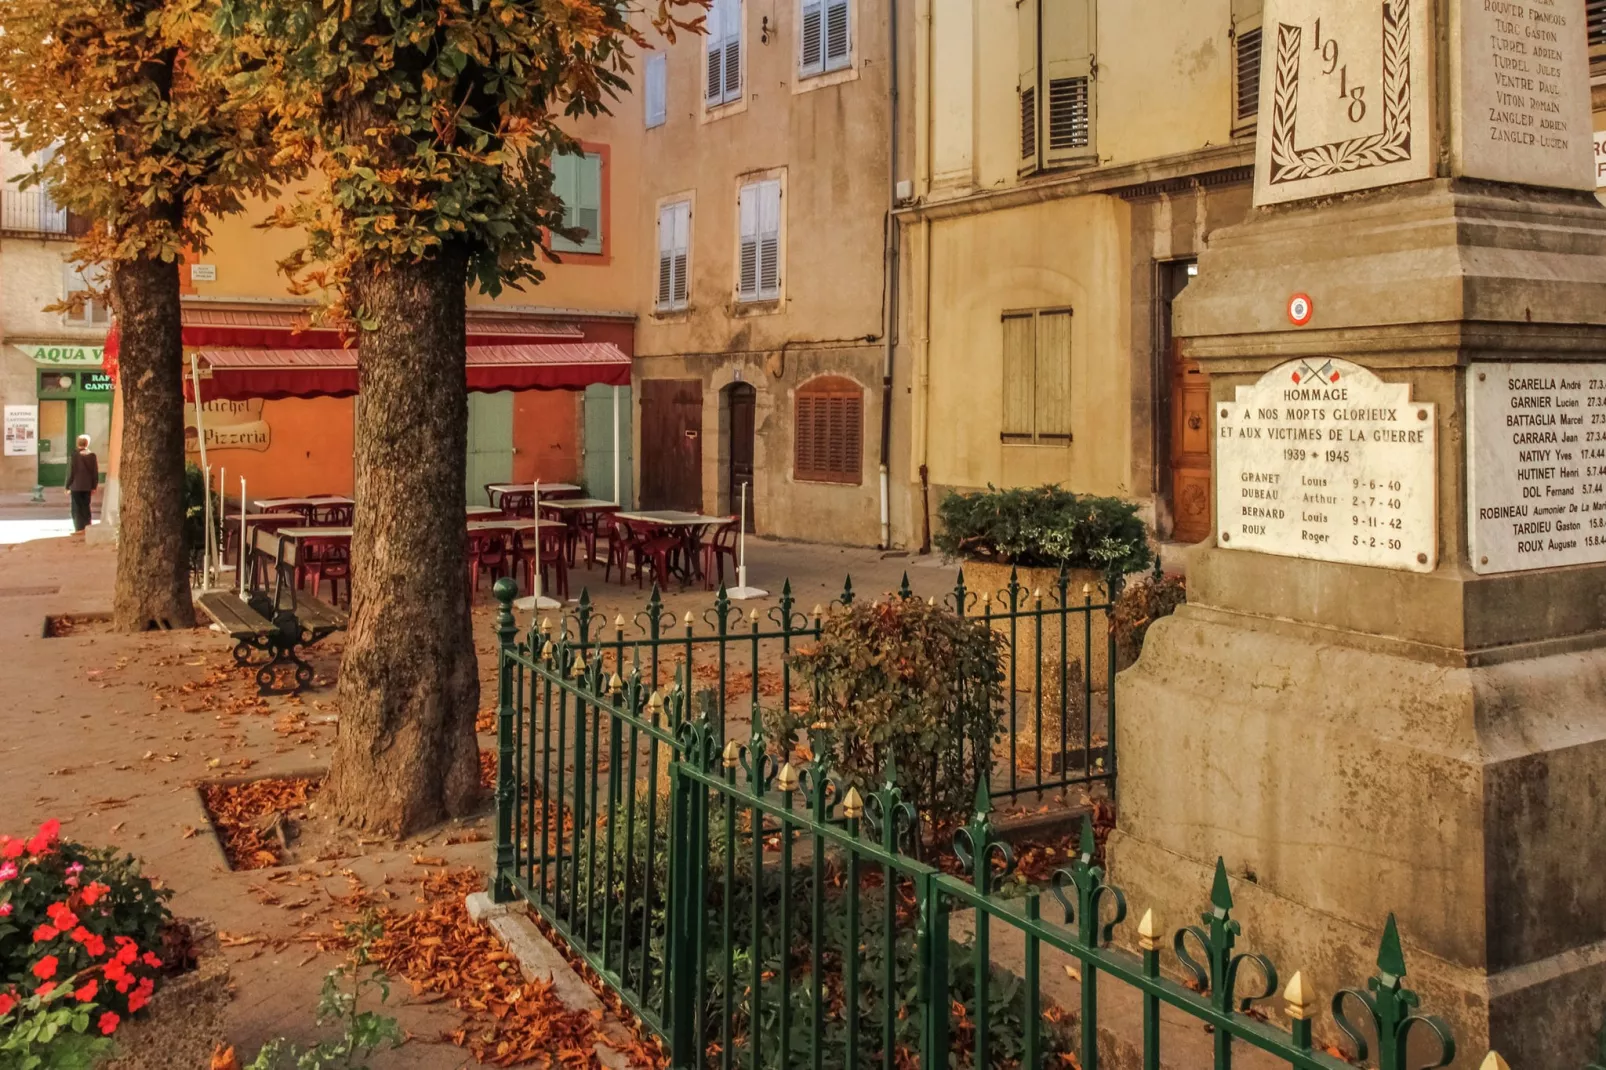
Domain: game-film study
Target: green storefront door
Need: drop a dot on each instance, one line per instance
(490, 443)
(72, 403)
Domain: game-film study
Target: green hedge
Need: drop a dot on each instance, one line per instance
(1045, 527)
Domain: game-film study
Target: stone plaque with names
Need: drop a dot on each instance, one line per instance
(1346, 95)
(1536, 465)
(1521, 83)
(1322, 459)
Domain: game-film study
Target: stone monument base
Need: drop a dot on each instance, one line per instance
(1345, 776)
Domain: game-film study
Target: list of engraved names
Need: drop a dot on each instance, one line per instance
(1323, 460)
(1536, 459)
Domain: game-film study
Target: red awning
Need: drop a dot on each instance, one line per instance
(243, 374)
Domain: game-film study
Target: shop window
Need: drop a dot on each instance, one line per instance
(1245, 64)
(1056, 87)
(829, 431)
(1037, 376)
(577, 180)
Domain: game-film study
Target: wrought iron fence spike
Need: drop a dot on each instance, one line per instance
(1300, 997)
(1221, 891)
(733, 754)
(1088, 843)
(1390, 954)
(619, 622)
(932, 601)
(1493, 1061)
(1037, 595)
(853, 805)
(688, 620)
(546, 625)
(787, 781)
(1149, 938)
(656, 702)
(752, 615)
(819, 611)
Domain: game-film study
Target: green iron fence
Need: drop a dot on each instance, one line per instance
(755, 915)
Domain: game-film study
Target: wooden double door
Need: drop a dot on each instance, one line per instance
(672, 444)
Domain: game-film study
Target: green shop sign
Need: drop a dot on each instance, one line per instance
(64, 356)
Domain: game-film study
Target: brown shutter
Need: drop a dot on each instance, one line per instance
(828, 431)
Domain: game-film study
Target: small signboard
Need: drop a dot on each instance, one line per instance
(65, 355)
(1321, 459)
(203, 272)
(22, 430)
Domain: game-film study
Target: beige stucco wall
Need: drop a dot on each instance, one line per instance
(1070, 252)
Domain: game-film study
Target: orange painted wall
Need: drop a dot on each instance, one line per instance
(546, 436)
(309, 452)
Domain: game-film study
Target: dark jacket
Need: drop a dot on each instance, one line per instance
(84, 472)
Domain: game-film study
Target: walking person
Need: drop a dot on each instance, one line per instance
(83, 476)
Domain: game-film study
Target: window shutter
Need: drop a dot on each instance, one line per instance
(715, 91)
(747, 269)
(812, 59)
(666, 256)
(657, 89)
(733, 49)
(838, 46)
(1026, 21)
(1052, 374)
(769, 239)
(682, 254)
(1019, 387)
(1595, 20)
(828, 431)
(588, 201)
(1067, 55)
(1246, 75)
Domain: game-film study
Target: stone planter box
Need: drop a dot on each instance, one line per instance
(1030, 671)
(183, 1023)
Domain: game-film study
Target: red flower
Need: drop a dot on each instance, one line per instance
(127, 950)
(140, 996)
(93, 892)
(116, 971)
(7, 1001)
(152, 959)
(87, 993)
(62, 915)
(45, 967)
(94, 945)
(10, 848)
(46, 988)
(44, 933)
(46, 837)
(108, 1023)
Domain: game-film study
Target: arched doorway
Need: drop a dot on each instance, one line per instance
(741, 403)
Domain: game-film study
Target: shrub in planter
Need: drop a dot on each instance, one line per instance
(1140, 605)
(80, 934)
(907, 681)
(1045, 527)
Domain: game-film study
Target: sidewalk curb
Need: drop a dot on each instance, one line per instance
(540, 961)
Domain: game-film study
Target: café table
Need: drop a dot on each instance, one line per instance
(311, 544)
(582, 516)
(688, 527)
(481, 512)
(496, 491)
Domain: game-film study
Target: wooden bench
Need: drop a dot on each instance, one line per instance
(278, 623)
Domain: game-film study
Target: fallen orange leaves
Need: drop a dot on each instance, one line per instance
(237, 809)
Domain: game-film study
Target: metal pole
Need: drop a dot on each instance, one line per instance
(617, 500)
(240, 568)
(206, 474)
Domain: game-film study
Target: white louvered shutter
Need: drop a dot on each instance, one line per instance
(657, 89)
(747, 266)
(681, 251)
(715, 91)
(666, 257)
(838, 46)
(812, 60)
(733, 49)
(1067, 37)
(1026, 23)
(769, 240)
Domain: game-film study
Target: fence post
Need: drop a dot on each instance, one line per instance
(506, 791)
(678, 965)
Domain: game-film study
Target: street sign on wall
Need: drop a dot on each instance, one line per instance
(22, 430)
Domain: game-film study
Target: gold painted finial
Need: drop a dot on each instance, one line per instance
(733, 754)
(787, 781)
(1087, 588)
(853, 805)
(616, 684)
(688, 618)
(1493, 1061)
(546, 651)
(578, 669)
(1149, 932)
(1037, 595)
(656, 702)
(546, 625)
(752, 616)
(619, 622)
(1300, 997)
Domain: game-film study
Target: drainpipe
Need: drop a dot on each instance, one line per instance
(890, 255)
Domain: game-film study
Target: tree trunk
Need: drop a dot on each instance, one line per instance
(407, 757)
(153, 569)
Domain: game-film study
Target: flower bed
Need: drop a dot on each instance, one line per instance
(85, 939)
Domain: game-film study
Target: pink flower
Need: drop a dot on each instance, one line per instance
(75, 869)
(5, 910)
(8, 871)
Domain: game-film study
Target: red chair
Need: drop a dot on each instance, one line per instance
(622, 541)
(591, 523)
(487, 552)
(520, 503)
(330, 561)
(332, 516)
(720, 544)
(544, 549)
(658, 552)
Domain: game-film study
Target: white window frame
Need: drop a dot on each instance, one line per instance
(668, 209)
(74, 281)
(822, 12)
(656, 79)
(761, 234)
(725, 31)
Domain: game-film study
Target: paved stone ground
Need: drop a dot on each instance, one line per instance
(111, 733)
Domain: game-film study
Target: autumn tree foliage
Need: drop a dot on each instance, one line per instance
(432, 122)
(133, 135)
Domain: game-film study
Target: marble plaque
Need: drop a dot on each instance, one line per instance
(1324, 460)
(1521, 86)
(1346, 93)
(1536, 465)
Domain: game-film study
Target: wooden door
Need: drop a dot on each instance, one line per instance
(672, 444)
(743, 402)
(600, 406)
(490, 443)
(1190, 449)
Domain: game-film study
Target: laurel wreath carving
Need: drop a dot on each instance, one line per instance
(1289, 162)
